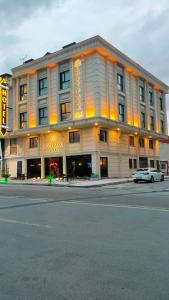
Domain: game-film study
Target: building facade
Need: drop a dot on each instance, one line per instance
(86, 109)
(164, 156)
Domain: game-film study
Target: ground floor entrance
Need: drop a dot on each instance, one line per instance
(79, 166)
(54, 166)
(34, 168)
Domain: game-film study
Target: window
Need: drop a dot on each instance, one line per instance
(141, 142)
(152, 123)
(120, 85)
(143, 120)
(162, 126)
(65, 80)
(23, 92)
(151, 144)
(151, 98)
(65, 111)
(43, 87)
(103, 135)
(135, 163)
(43, 116)
(161, 104)
(33, 142)
(121, 112)
(141, 92)
(143, 162)
(23, 120)
(131, 140)
(152, 164)
(13, 146)
(130, 163)
(74, 137)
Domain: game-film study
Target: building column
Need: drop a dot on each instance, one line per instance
(24, 167)
(64, 164)
(96, 164)
(42, 167)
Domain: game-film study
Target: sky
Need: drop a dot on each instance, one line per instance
(139, 28)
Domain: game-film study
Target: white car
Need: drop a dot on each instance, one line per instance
(148, 174)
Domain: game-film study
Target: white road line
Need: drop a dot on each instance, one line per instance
(24, 223)
(118, 206)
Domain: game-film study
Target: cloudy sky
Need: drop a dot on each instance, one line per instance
(139, 28)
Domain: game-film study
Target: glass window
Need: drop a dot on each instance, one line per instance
(135, 163)
(33, 142)
(131, 140)
(23, 120)
(130, 163)
(151, 98)
(152, 123)
(120, 84)
(162, 126)
(103, 135)
(74, 137)
(43, 86)
(23, 92)
(141, 142)
(43, 116)
(13, 146)
(121, 112)
(65, 111)
(143, 120)
(161, 104)
(141, 90)
(151, 144)
(152, 164)
(65, 80)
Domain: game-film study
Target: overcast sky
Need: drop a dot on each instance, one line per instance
(139, 28)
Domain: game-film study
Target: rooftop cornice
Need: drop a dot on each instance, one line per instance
(94, 43)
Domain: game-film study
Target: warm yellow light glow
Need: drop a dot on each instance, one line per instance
(32, 121)
(132, 71)
(31, 72)
(51, 66)
(118, 129)
(136, 133)
(53, 117)
(96, 124)
(69, 128)
(104, 109)
(77, 102)
(90, 110)
(78, 115)
(3, 104)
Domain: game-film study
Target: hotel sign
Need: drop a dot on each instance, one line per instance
(3, 103)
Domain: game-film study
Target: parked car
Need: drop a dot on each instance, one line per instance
(148, 174)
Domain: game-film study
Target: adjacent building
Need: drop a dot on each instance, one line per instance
(85, 109)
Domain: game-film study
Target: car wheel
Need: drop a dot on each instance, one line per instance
(162, 178)
(152, 179)
(135, 181)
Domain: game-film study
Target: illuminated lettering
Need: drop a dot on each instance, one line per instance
(3, 102)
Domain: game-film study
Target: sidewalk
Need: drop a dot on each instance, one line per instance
(72, 183)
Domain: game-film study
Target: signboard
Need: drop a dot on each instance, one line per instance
(3, 108)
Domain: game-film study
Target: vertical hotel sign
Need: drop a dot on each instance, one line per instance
(3, 103)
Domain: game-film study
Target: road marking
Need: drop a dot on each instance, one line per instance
(118, 206)
(24, 223)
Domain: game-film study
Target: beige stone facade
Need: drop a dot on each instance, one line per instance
(116, 107)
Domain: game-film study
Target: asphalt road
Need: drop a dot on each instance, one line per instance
(87, 244)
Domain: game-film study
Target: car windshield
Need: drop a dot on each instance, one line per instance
(142, 170)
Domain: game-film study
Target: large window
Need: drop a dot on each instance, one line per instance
(74, 137)
(131, 140)
(33, 142)
(65, 80)
(152, 123)
(65, 111)
(43, 86)
(141, 92)
(151, 98)
(43, 116)
(23, 120)
(162, 126)
(121, 112)
(141, 142)
(151, 144)
(161, 103)
(143, 120)
(152, 164)
(120, 84)
(130, 163)
(23, 92)
(103, 135)
(13, 146)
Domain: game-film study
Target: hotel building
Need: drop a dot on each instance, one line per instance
(84, 109)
